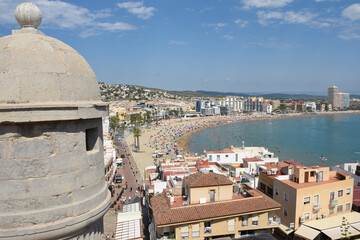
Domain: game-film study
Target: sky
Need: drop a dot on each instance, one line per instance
(262, 46)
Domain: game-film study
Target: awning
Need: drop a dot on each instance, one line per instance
(306, 232)
(335, 233)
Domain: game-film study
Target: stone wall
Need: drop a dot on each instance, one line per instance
(49, 181)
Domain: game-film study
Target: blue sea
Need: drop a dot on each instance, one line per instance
(303, 139)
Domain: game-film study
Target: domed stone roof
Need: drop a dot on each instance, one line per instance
(38, 68)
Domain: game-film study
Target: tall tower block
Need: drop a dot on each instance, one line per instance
(332, 96)
(51, 155)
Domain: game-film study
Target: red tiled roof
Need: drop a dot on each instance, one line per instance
(164, 214)
(206, 179)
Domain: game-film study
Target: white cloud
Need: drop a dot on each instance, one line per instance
(175, 42)
(138, 9)
(217, 26)
(349, 35)
(265, 3)
(352, 12)
(228, 37)
(59, 14)
(241, 23)
(266, 18)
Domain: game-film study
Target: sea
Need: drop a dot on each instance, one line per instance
(336, 138)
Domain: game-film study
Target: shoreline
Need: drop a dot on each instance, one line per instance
(143, 158)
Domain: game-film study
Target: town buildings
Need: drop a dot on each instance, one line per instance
(306, 193)
(212, 206)
(338, 100)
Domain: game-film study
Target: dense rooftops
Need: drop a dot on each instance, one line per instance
(164, 214)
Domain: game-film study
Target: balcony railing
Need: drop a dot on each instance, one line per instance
(316, 207)
(274, 221)
(207, 230)
(333, 202)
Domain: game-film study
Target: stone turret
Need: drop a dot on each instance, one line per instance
(51, 153)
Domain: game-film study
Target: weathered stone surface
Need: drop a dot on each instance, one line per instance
(12, 190)
(75, 90)
(5, 59)
(54, 185)
(4, 149)
(26, 148)
(8, 130)
(95, 158)
(41, 203)
(91, 190)
(91, 202)
(39, 87)
(9, 87)
(69, 143)
(67, 163)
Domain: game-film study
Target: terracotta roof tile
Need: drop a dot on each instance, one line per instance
(164, 214)
(206, 179)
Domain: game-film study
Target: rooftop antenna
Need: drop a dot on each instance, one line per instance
(243, 144)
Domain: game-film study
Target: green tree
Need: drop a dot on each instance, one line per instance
(114, 121)
(137, 133)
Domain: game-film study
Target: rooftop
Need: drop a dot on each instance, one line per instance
(206, 179)
(164, 214)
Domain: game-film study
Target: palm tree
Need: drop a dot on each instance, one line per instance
(137, 133)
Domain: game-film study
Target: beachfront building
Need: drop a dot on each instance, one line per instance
(236, 155)
(210, 207)
(257, 104)
(306, 193)
(353, 169)
(338, 100)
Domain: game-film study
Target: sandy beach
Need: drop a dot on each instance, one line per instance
(173, 134)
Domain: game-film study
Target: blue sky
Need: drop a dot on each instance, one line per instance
(220, 45)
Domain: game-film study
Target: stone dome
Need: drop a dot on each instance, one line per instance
(38, 68)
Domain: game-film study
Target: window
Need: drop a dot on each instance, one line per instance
(255, 219)
(91, 136)
(262, 187)
(210, 158)
(339, 208)
(348, 191)
(347, 206)
(244, 221)
(226, 156)
(231, 225)
(185, 231)
(276, 191)
(285, 213)
(286, 196)
(312, 174)
(212, 195)
(196, 230)
(306, 216)
(340, 193)
(332, 195)
(316, 200)
(306, 200)
(207, 227)
(331, 211)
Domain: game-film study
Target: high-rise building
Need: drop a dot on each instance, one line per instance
(51, 151)
(338, 100)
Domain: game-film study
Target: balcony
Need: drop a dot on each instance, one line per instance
(274, 221)
(207, 230)
(333, 202)
(316, 207)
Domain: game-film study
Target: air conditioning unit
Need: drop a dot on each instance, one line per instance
(302, 219)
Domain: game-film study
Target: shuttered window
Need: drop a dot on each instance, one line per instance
(185, 231)
(196, 230)
(231, 225)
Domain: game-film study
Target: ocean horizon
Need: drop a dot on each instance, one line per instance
(302, 139)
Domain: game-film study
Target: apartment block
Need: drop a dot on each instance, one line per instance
(211, 206)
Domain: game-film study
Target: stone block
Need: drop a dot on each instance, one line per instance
(4, 150)
(39, 87)
(8, 131)
(27, 148)
(69, 143)
(5, 59)
(81, 193)
(12, 190)
(10, 169)
(90, 176)
(74, 90)
(41, 203)
(91, 202)
(23, 169)
(9, 87)
(68, 163)
(53, 186)
(95, 158)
